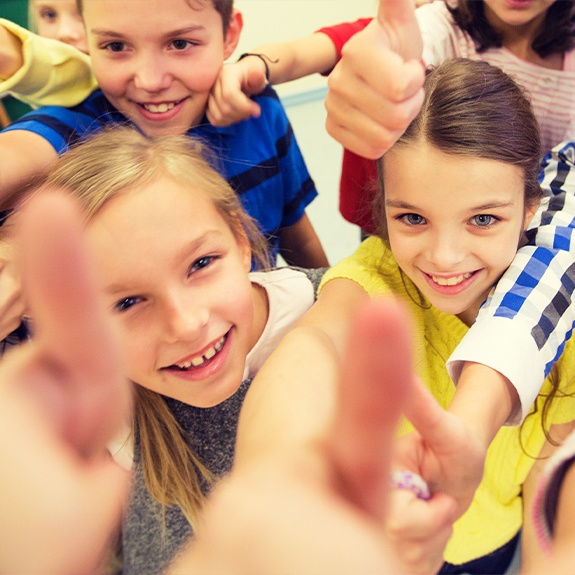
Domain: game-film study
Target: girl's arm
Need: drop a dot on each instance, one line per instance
(283, 61)
(41, 71)
(317, 503)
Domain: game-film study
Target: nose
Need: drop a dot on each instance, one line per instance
(151, 73)
(184, 321)
(445, 250)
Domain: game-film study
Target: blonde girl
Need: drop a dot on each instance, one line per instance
(174, 250)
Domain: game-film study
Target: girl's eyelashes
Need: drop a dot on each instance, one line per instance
(484, 220)
(201, 263)
(115, 46)
(126, 303)
(411, 219)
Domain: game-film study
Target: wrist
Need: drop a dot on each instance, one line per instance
(266, 60)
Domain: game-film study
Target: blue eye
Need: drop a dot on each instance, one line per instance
(126, 303)
(412, 219)
(201, 263)
(484, 220)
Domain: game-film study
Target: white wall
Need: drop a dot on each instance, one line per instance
(280, 20)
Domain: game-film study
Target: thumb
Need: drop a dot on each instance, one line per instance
(375, 383)
(433, 423)
(255, 82)
(397, 17)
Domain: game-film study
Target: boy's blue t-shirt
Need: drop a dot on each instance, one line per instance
(259, 157)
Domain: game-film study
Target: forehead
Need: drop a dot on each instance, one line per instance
(163, 203)
(426, 176)
(146, 7)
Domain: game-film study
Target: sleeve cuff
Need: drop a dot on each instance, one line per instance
(508, 348)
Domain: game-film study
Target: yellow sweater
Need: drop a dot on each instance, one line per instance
(53, 74)
(495, 515)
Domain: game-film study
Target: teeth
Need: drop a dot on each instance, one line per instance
(159, 108)
(452, 281)
(201, 359)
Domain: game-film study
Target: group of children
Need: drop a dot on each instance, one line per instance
(187, 189)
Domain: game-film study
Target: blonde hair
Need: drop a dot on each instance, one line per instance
(110, 164)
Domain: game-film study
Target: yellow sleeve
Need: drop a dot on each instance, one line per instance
(53, 73)
(371, 266)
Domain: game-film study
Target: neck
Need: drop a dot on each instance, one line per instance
(519, 39)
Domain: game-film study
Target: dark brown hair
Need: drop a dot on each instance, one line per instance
(557, 34)
(223, 7)
(472, 108)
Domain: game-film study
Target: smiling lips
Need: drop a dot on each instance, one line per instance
(201, 360)
(159, 108)
(451, 281)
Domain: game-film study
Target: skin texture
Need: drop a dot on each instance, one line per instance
(59, 19)
(171, 60)
(445, 235)
(190, 291)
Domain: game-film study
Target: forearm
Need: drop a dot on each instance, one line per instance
(484, 399)
(314, 54)
(290, 403)
(49, 72)
(11, 58)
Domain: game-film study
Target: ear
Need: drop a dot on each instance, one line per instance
(233, 34)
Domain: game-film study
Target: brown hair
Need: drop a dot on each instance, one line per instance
(472, 108)
(557, 34)
(223, 7)
(110, 164)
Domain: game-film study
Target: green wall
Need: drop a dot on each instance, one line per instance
(17, 11)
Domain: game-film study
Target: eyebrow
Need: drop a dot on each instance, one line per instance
(487, 206)
(171, 34)
(195, 245)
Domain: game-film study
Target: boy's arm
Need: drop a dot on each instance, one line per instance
(300, 245)
(284, 61)
(41, 71)
(521, 330)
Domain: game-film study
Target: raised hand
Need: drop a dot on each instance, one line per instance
(377, 87)
(320, 510)
(62, 399)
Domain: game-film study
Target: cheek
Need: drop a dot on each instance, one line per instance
(202, 76)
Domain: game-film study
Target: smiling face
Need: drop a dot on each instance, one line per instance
(59, 20)
(176, 281)
(157, 60)
(454, 223)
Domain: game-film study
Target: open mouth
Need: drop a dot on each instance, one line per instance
(452, 281)
(201, 360)
(160, 107)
